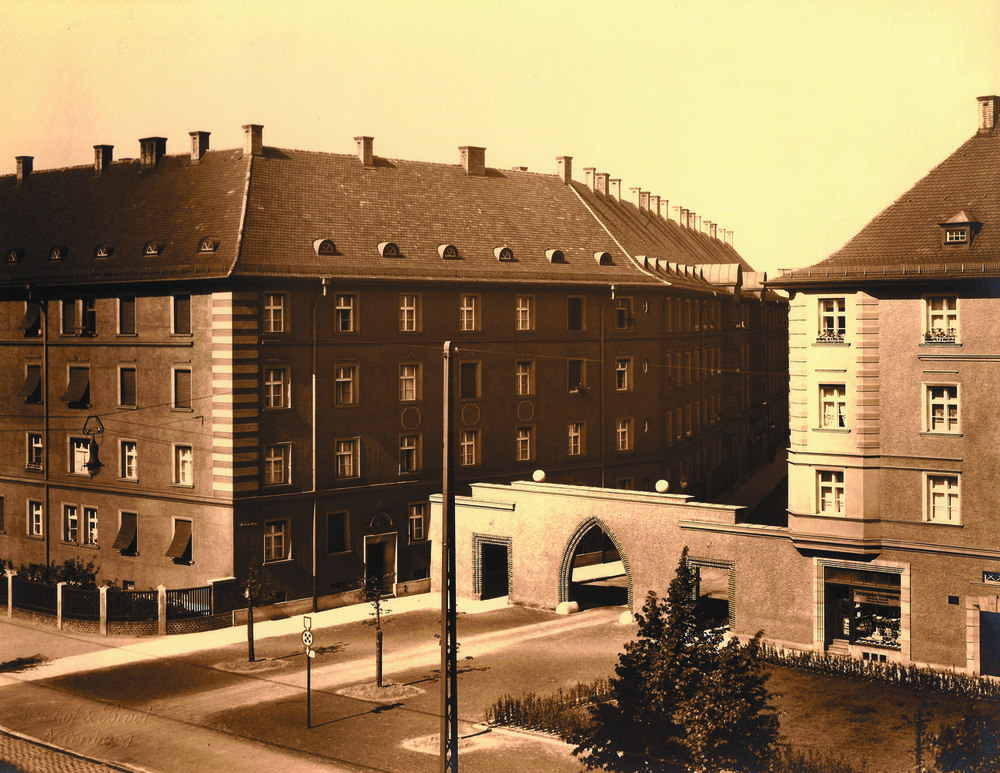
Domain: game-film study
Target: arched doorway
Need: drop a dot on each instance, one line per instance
(594, 571)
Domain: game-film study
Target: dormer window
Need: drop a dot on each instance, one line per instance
(388, 250)
(504, 253)
(956, 235)
(324, 247)
(448, 251)
(151, 248)
(14, 256)
(603, 258)
(207, 245)
(959, 231)
(102, 251)
(555, 256)
(57, 253)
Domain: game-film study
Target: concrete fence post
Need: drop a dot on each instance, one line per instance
(161, 610)
(59, 603)
(103, 601)
(10, 593)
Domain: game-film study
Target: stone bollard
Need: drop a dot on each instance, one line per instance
(10, 593)
(59, 603)
(161, 610)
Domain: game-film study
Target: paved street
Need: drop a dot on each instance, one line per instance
(196, 706)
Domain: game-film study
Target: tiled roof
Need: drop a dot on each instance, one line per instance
(173, 204)
(905, 240)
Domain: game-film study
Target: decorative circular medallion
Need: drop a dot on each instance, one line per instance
(410, 417)
(470, 414)
(525, 410)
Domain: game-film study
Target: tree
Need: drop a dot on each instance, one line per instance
(680, 700)
(373, 590)
(255, 591)
(971, 745)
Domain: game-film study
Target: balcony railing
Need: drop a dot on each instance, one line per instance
(830, 336)
(939, 335)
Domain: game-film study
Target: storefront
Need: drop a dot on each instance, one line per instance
(863, 607)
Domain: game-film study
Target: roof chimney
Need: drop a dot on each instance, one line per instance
(102, 157)
(654, 204)
(729, 238)
(151, 150)
(24, 165)
(682, 216)
(253, 139)
(366, 150)
(588, 176)
(644, 200)
(713, 229)
(601, 182)
(634, 189)
(565, 168)
(664, 209)
(616, 189)
(473, 159)
(199, 145)
(697, 223)
(989, 107)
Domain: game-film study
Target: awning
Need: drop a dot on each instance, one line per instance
(32, 381)
(126, 532)
(181, 541)
(79, 383)
(32, 313)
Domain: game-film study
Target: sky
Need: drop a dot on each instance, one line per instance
(790, 123)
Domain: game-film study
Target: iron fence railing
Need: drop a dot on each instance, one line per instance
(133, 604)
(189, 602)
(36, 596)
(81, 603)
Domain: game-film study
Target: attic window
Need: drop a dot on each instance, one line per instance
(448, 251)
(151, 248)
(603, 258)
(325, 247)
(956, 235)
(555, 256)
(57, 253)
(504, 253)
(101, 251)
(13, 256)
(206, 245)
(388, 250)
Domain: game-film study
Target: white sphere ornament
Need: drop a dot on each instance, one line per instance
(538, 476)
(662, 486)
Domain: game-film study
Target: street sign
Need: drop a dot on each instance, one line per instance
(307, 622)
(307, 638)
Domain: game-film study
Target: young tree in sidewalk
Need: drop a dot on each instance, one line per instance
(680, 700)
(373, 591)
(256, 591)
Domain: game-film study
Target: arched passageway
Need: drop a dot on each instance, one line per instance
(594, 571)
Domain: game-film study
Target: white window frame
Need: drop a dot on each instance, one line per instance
(71, 523)
(34, 449)
(410, 382)
(832, 481)
(524, 444)
(524, 313)
(833, 406)
(832, 320)
(417, 521)
(128, 459)
(469, 310)
(183, 465)
(409, 313)
(624, 313)
(277, 545)
(624, 434)
(345, 384)
(941, 324)
(524, 378)
(89, 526)
(576, 433)
(35, 518)
(623, 374)
(273, 321)
(345, 310)
(410, 453)
(277, 459)
(277, 388)
(956, 235)
(946, 485)
(468, 448)
(945, 402)
(79, 455)
(347, 458)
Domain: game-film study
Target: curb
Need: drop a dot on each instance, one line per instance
(69, 753)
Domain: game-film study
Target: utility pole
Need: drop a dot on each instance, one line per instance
(449, 623)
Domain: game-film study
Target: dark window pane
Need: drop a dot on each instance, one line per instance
(126, 316)
(337, 539)
(469, 380)
(128, 386)
(182, 314)
(182, 389)
(574, 319)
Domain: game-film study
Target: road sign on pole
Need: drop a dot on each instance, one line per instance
(307, 640)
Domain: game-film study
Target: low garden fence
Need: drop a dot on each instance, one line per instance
(133, 605)
(81, 603)
(189, 602)
(35, 596)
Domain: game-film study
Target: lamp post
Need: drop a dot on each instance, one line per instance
(449, 643)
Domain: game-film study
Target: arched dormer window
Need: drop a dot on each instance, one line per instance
(102, 251)
(388, 250)
(57, 253)
(324, 247)
(151, 248)
(448, 251)
(555, 256)
(15, 255)
(504, 253)
(603, 258)
(208, 244)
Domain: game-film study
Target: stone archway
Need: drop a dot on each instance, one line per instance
(566, 562)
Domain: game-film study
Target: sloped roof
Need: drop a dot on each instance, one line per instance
(174, 204)
(904, 241)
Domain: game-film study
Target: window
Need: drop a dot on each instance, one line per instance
(623, 374)
(343, 314)
(180, 544)
(830, 496)
(183, 466)
(524, 313)
(942, 409)
(832, 320)
(90, 526)
(79, 455)
(77, 394)
(941, 319)
(956, 235)
(345, 386)
(31, 389)
(409, 453)
(833, 404)
(468, 447)
(206, 245)
(409, 313)
(35, 451)
(523, 444)
(127, 540)
(418, 521)
(338, 537)
(278, 464)
(993, 577)
(127, 386)
(346, 454)
(31, 322)
(623, 434)
(469, 382)
(182, 315)
(524, 378)
(126, 316)
(3, 520)
(71, 524)
(36, 524)
(623, 313)
(68, 317)
(275, 541)
(88, 317)
(128, 458)
(182, 388)
(576, 377)
(409, 382)
(468, 312)
(277, 388)
(574, 313)
(575, 435)
(274, 313)
(942, 505)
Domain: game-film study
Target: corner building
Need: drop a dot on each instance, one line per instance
(893, 462)
(233, 358)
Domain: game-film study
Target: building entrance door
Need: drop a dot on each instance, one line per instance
(380, 559)
(989, 643)
(494, 563)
